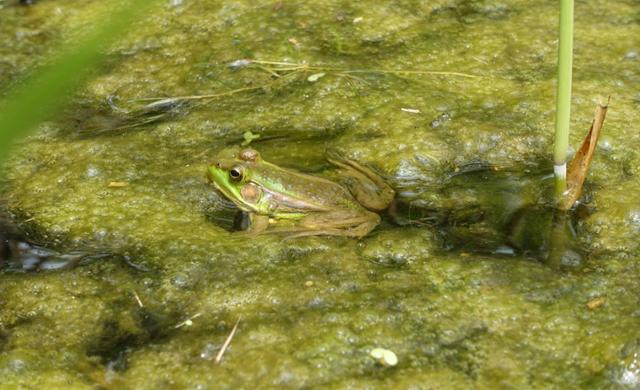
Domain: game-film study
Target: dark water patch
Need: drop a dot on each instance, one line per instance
(130, 330)
(4, 333)
(26, 257)
(28, 248)
(19, 254)
(473, 11)
(495, 211)
(223, 213)
(89, 119)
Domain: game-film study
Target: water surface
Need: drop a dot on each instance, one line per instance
(312, 309)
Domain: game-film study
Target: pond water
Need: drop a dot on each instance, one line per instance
(117, 187)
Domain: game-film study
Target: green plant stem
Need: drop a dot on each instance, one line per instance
(563, 97)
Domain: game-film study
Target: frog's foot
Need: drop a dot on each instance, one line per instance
(369, 189)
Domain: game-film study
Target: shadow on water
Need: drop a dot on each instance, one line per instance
(500, 212)
(115, 342)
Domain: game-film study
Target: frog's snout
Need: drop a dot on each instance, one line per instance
(209, 170)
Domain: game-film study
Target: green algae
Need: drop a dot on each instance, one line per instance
(312, 309)
(40, 96)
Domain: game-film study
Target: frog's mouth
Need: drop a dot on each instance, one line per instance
(220, 179)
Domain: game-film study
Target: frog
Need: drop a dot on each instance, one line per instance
(284, 200)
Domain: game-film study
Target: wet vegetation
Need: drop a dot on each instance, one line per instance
(119, 267)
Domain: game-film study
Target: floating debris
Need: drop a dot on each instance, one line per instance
(411, 110)
(384, 356)
(135, 295)
(188, 321)
(249, 137)
(596, 303)
(315, 77)
(239, 64)
(294, 42)
(227, 342)
(442, 118)
(579, 167)
(117, 184)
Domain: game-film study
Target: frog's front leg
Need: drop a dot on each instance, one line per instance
(257, 224)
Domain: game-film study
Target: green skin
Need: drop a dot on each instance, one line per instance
(280, 200)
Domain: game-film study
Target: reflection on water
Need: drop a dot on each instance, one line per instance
(19, 255)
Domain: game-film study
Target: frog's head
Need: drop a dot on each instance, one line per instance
(231, 174)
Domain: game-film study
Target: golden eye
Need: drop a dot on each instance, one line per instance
(235, 174)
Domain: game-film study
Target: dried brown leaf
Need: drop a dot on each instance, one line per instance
(577, 172)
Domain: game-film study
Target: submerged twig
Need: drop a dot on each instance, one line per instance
(172, 100)
(289, 66)
(227, 342)
(135, 295)
(281, 70)
(188, 321)
(149, 110)
(157, 102)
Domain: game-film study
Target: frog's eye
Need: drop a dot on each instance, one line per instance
(235, 174)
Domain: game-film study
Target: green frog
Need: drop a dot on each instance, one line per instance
(280, 200)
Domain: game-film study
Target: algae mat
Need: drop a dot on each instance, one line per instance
(156, 310)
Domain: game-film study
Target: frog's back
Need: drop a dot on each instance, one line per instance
(298, 190)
